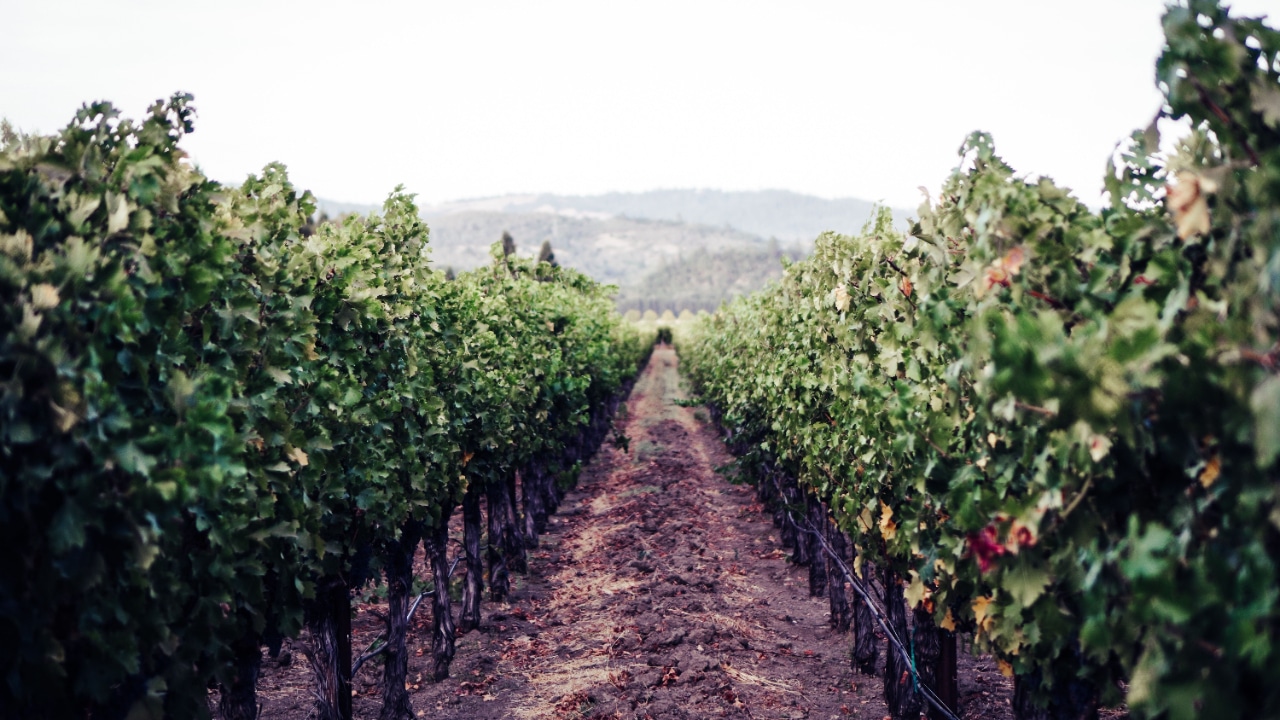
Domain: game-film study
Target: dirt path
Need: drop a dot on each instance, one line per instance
(660, 590)
(663, 593)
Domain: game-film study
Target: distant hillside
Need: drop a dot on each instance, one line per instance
(616, 250)
(788, 216)
(715, 244)
(703, 280)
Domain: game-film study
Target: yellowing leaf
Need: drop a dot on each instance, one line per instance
(1005, 668)
(18, 246)
(916, 592)
(1186, 200)
(982, 463)
(865, 520)
(298, 456)
(1212, 470)
(63, 419)
(980, 613)
(992, 439)
(948, 623)
(888, 528)
(842, 298)
(44, 296)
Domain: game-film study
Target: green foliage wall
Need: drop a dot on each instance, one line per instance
(1059, 426)
(205, 407)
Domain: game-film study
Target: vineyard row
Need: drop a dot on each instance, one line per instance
(1051, 427)
(218, 422)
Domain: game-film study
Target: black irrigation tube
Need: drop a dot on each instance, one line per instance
(925, 691)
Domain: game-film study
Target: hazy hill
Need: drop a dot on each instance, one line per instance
(785, 215)
(663, 248)
(702, 280)
(614, 250)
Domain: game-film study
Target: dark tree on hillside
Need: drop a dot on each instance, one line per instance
(309, 228)
(546, 255)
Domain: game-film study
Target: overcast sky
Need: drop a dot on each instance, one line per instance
(470, 99)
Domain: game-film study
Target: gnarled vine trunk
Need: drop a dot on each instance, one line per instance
(551, 486)
(499, 578)
(531, 494)
(329, 650)
(866, 647)
(473, 587)
(238, 700)
(442, 628)
(816, 516)
(395, 669)
(1072, 699)
(899, 687)
(926, 641)
(513, 539)
(838, 600)
(948, 686)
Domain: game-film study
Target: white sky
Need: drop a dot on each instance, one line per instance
(467, 99)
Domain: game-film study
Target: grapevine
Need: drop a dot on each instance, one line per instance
(1053, 427)
(218, 424)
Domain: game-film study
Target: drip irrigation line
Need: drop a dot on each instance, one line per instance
(907, 656)
(369, 652)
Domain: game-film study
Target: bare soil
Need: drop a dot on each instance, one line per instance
(660, 590)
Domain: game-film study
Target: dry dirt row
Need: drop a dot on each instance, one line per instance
(659, 591)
